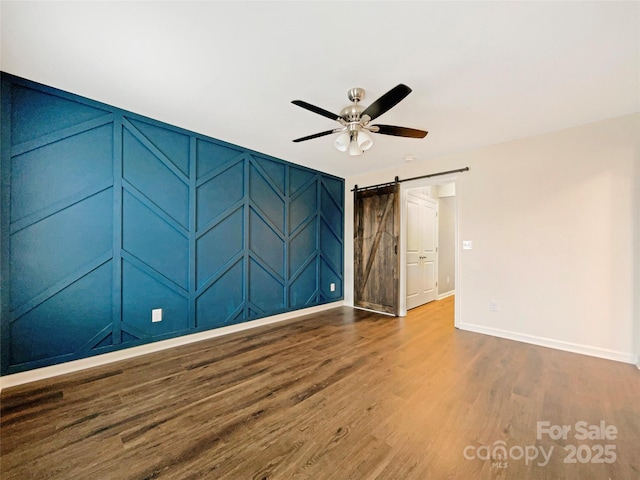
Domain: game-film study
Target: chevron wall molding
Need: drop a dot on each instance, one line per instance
(107, 215)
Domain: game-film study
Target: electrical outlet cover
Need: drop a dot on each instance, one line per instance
(156, 315)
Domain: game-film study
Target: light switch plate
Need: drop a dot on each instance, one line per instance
(156, 315)
(467, 244)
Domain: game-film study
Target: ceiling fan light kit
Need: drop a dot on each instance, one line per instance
(342, 142)
(354, 134)
(365, 142)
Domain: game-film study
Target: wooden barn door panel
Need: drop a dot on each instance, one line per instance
(376, 265)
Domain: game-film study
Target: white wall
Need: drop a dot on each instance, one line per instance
(553, 220)
(446, 244)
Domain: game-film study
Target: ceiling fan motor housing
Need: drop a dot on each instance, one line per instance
(351, 113)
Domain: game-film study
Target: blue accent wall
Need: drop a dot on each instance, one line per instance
(107, 215)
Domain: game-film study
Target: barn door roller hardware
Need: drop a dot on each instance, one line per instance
(397, 180)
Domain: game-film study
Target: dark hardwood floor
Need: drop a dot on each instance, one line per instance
(344, 394)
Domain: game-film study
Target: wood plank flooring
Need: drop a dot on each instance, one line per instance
(344, 394)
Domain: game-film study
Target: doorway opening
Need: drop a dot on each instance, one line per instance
(421, 237)
(429, 243)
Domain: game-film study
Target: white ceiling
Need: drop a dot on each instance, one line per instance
(481, 72)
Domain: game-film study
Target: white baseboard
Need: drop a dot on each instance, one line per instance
(106, 358)
(446, 294)
(550, 343)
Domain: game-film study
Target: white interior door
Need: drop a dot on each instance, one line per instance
(422, 250)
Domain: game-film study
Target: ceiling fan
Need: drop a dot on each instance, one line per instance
(354, 120)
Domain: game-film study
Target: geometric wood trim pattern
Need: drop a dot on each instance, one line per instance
(107, 215)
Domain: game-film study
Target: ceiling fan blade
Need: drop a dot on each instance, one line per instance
(316, 135)
(387, 101)
(318, 110)
(398, 131)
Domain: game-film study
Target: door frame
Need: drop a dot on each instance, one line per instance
(402, 241)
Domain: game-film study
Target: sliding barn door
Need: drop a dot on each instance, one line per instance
(376, 264)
